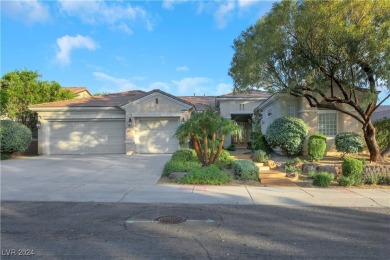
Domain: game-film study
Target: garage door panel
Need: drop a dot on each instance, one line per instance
(96, 137)
(157, 135)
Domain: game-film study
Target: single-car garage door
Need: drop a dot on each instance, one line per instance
(156, 135)
(87, 137)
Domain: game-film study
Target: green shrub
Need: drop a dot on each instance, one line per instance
(317, 147)
(376, 176)
(260, 143)
(289, 168)
(349, 142)
(352, 167)
(311, 174)
(231, 147)
(288, 133)
(346, 181)
(225, 159)
(14, 137)
(205, 175)
(260, 156)
(323, 179)
(4, 156)
(245, 170)
(382, 132)
(184, 155)
(180, 166)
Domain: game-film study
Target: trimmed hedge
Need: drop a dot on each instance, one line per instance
(317, 147)
(352, 172)
(180, 166)
(349, 142)
(245, 170)
(205, 175)
(289, 133)
(184, 155)
(14, 137)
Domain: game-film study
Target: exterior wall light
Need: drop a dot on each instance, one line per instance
(182, 120)
(130, 122)
(39, 124)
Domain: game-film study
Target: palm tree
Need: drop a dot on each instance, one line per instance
(207, 131)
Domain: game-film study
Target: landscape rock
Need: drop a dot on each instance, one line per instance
(335, 169)
(271, 164)
(177, 175)
(292, 175)
(309, 167)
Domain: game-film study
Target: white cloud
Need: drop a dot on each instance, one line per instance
(111, 13)
(246, 3)
(192, 85)
(170, 4)
(28, 11)
(182, 68)
(223, 14)
(122, 84)
(223, 88)
(68, 43)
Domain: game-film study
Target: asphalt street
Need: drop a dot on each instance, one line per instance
(97, 230)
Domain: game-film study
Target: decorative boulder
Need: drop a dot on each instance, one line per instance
(271, 164)
(307, 167)
(292, 175)
(177, 175)
(334, 169)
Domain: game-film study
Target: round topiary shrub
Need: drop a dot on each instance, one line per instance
(14, 137)
(317, 147)
(352, 167)
(352, 172)
(349, 142)
(323, 179)
(289, 133)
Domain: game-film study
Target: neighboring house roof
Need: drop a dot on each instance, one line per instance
(77, 90)
(110, 100)
(381, 112)
(201, 102)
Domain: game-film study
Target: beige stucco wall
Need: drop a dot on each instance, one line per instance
(147, 107)
(276, 108)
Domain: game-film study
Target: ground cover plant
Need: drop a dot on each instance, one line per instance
(205, 175)
(245, 170)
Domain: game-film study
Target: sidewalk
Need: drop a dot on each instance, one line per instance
(199, 194)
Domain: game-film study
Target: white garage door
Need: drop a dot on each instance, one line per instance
(156, 135)
(87, 137)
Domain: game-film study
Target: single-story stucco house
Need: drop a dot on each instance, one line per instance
(133, 121)
(145, 122)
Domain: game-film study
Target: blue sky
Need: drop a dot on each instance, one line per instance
(111, 46)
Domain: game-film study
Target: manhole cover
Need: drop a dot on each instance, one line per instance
(170, 219)
(173, 222)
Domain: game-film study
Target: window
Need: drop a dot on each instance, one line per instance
(327, 124)
(269, 112)
(291, 111)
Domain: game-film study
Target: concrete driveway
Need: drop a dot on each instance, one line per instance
(78, 177)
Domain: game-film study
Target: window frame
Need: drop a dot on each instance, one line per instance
(326, 128)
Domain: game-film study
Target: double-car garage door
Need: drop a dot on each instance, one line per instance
(155, 135)
(87, 137)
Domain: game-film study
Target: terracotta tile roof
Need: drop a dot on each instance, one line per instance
(251, 94)
(201, 102)
(111, 100)
(76, 90)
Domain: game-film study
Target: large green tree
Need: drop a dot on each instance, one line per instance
(207, 131)
(22, 89)
(335, 54)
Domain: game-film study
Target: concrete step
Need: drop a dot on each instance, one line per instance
(264, 168)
